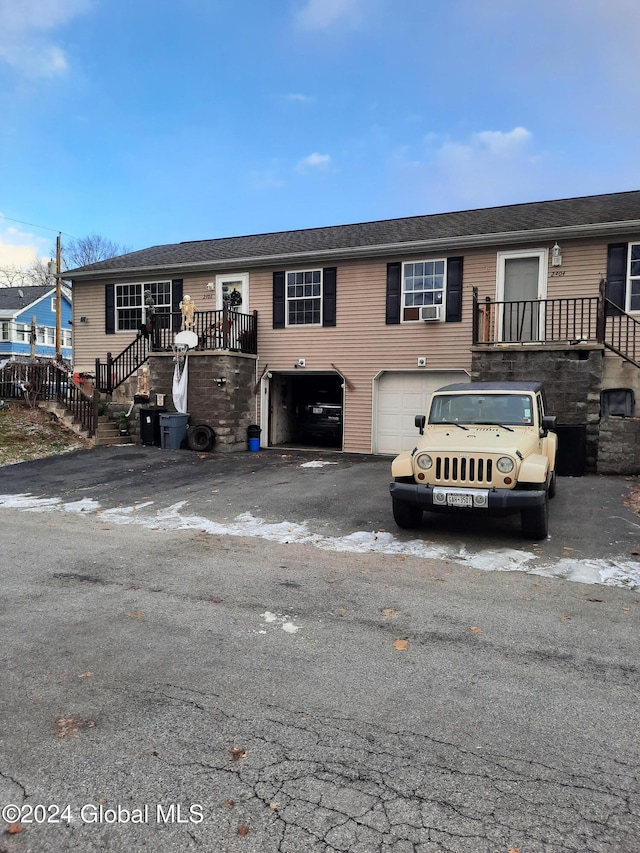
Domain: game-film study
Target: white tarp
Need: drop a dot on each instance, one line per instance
(180, 382)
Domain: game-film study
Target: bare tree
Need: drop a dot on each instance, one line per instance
(81, 251)
(77, 252)
(36, 273)
(13, 276)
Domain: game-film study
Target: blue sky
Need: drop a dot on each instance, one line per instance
(151, 121)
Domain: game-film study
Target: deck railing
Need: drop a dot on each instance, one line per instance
(216, 330)
(537, 320)
(38, 382)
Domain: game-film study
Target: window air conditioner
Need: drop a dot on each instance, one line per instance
(430, 312)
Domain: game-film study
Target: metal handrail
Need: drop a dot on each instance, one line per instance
(216, 330)
(558, 320)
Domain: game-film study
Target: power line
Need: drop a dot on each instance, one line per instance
(33, 225)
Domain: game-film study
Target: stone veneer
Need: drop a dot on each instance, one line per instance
(572, 377)
(227, 406)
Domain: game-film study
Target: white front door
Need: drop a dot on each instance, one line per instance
(234, 290)
(522, 283)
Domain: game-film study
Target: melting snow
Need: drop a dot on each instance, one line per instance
(283, 621)
(316, 464)
(620, 573)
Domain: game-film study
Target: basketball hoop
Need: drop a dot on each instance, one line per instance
(182, 343)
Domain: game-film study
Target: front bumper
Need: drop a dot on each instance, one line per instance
(499, 501)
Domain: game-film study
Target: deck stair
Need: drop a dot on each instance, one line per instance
(107, 431)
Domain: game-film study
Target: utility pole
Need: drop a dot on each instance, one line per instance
(58, 302)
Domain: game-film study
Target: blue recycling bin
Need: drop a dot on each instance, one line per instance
(173, 429)
(253, 436)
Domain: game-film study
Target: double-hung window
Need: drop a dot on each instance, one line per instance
(304, 298)
(633, 290)
(423, 284)
(130, 302)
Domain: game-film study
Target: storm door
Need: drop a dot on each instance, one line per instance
(521, 289)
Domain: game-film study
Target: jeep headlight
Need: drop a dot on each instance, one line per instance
(424, 461)
(505, 465)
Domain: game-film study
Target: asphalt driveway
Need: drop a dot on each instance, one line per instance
(333, 500)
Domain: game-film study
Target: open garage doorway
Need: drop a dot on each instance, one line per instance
(305, 409)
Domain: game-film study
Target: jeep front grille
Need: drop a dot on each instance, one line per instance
(463, 471)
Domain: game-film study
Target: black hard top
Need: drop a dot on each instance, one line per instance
(488, 387)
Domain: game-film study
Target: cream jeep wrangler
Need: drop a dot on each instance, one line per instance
(485, 447)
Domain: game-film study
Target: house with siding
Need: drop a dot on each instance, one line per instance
(20, 307)
(372, 317)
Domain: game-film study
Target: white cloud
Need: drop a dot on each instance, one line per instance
(322, 14)
(499, 143)
(20, 248)
(314, 161)
(300, 99)
(491, 167)
(26, 34)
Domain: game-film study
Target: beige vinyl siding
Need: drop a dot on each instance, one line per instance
(361, 345)
(89, 339)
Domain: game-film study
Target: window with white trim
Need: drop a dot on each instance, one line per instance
(633, 290)
(304, 298)
(130, 302)
(4, 331)
(423, 283)
(23, 333)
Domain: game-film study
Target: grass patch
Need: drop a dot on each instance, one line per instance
(27, 433)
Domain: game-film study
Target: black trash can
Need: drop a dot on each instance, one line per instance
(150, 426)
(253, 437)
(571, 460)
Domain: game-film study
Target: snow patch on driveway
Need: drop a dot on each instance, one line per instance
(620, 573)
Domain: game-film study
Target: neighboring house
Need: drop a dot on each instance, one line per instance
(19, 306)
(375, 316)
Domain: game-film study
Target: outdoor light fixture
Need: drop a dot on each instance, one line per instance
(220, 381)
(556, 256)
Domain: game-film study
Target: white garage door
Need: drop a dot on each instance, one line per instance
(399, 398)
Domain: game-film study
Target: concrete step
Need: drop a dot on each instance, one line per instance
(102, 440)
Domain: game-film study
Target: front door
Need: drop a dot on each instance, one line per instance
(233, 290)
(521, 286)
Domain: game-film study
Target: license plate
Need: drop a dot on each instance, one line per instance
(459, 499)
(316, 410)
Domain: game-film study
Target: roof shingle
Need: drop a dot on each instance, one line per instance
(532, 216)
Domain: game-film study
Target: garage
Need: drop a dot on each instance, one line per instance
(398, 397)
(305, 409)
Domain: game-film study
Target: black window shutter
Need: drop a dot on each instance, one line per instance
(176, 299)
(454, 290)
(109, 309)
(278, 300)
(329, 277)
(394, 293)
(616, 289)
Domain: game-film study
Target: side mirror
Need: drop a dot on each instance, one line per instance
(420, 422)
(549, 423)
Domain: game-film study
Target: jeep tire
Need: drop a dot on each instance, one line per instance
(408, 516)
(535, 522)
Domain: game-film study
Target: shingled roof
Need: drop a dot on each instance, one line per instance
(13, 299)
(584, 216)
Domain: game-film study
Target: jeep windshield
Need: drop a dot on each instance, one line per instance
(482, 409)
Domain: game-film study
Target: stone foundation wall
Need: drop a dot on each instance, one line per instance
(220, 393)
(619, 451)
(572, 379)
